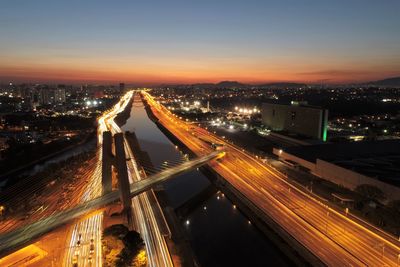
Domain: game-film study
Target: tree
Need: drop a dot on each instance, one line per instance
(395, 205)
(371, 192)
(129, 244)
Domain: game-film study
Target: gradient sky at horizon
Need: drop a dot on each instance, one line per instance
(199, 41)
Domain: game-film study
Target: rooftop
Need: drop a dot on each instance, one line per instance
(377, 159)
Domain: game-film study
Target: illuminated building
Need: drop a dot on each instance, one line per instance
(298, 118)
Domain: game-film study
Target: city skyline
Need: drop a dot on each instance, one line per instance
(199, 133)
(181, 42)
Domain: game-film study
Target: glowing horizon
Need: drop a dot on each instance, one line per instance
(181, 42)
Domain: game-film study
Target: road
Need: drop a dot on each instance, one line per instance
(84, 245)
(143, 208)
(330, 235)
(92, 207)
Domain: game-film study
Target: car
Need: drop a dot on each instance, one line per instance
(91, 246)
(75, 261)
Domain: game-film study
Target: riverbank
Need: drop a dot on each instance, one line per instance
(292, 250)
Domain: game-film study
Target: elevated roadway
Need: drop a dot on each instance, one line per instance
(22, 236)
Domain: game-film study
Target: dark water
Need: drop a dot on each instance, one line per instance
(220, 235)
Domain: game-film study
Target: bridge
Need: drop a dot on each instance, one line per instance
(22, 236)
(94, 192)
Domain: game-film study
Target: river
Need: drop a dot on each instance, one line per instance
(219, 234)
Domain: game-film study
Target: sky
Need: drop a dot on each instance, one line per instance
(189, 41)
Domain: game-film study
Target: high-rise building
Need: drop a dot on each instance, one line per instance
(298, 118)
(59, 95)
(46, 96)
(122, 87)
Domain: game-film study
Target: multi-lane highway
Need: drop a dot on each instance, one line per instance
(84, 245)
(90, 208)
(334, 238)
(144, 206)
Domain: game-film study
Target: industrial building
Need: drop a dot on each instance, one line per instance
(352, 164)
(298, 118)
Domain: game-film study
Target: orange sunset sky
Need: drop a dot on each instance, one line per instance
(183, 42)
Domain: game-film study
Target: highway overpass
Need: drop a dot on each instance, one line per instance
(22, 236)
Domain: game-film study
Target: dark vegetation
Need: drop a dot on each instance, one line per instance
(370, 192)
(47, 123)
(127, 243)
(19, 154)
(56, 174)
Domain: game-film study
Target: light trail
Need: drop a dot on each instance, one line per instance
(336, 239)
(88, 232)
(83, 246)
(24, 235)
(143, 212)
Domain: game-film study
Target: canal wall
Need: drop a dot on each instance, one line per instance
(193, 203)
(124, 115)
(292, 249)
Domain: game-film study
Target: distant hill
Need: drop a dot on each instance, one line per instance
(203, 85)
(282, 85)
(230, 84)
(236, 84)
(395, 81)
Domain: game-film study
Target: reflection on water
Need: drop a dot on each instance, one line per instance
(220, 235)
